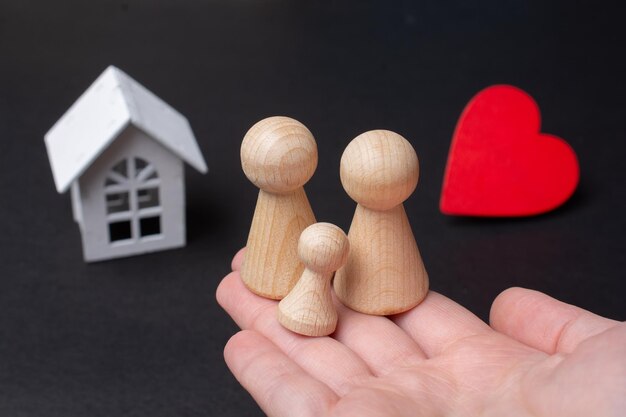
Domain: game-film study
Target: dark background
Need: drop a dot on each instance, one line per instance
(143, 336)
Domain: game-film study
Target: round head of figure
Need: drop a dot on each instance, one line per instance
(279, 154)
(379, 169)
(323, 247)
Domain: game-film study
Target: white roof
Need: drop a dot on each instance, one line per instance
(95, 120)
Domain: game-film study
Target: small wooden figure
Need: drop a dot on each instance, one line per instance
(278, 155)
(308, 309)
(384, 273)
(120, 149)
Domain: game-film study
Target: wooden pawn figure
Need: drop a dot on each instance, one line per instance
(384, 274)
(308, 309)
(278, 155)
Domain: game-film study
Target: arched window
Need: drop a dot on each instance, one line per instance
(133, 209)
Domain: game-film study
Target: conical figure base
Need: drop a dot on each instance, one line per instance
(384, 274)
(271, 267)
(308, 309)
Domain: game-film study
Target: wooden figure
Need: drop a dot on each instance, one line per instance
(308, 309)
(121, 150)
(278, 155)
(384, 273)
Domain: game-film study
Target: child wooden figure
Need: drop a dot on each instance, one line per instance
(309, 309)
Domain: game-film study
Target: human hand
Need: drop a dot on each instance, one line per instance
(539, 357)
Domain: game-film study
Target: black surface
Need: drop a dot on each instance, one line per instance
(143, 336)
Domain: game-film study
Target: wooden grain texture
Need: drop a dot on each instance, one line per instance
(271, 266)
(278, 155)
(308, 309)
(384, 273)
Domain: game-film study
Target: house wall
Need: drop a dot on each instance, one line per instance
(132, 142)
(77, 210)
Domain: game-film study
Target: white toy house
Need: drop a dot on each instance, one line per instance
(121, 150)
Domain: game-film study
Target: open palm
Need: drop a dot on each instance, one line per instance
(539, 357)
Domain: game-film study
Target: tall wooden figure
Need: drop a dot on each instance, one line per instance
(278, 155)
(384, 273)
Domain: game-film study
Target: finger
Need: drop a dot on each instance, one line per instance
(377, 340)
(238, 259)
(439, 322)
(542, 322)
(277, 383)
(323, 358)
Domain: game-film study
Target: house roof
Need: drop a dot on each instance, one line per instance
(96, 119)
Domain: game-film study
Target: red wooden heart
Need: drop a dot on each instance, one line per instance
(499, 163)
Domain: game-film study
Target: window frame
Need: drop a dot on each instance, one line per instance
(141, 175)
